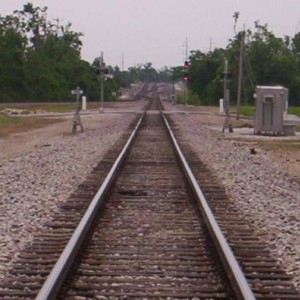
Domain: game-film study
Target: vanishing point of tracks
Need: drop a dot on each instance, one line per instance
(153, 236)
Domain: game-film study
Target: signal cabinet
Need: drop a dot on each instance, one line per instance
(271, 102)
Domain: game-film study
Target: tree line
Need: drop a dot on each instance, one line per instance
(40, 61)
(267, 60)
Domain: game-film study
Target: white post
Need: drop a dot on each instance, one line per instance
(83, 102)
(221, 106)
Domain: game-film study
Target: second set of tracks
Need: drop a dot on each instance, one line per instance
(151, 237)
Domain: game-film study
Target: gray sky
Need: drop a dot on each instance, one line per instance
(156, 30)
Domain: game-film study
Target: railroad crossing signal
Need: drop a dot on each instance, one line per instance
(109, 76)
(78, 92)
(185, 70)
(186, 65)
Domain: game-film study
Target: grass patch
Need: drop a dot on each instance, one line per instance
(250, 110)
(242, 123)
(293, 110)
(10, 125)
(247, 111)
(280, 145)
(48, 107)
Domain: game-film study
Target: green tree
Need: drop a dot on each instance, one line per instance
(269, 61)
(12, 83)
(205, 75)
(32, 22)
(40, 59)
(144, 72)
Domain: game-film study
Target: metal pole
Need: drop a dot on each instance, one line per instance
(239, 91)
(185, 84)
(186, 48)
(76, 118)
(185, 93)
(77, 97)
(227, 122)
(225, 77)
(101, 82)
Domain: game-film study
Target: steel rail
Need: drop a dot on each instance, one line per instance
(53, 282)
(234, 272)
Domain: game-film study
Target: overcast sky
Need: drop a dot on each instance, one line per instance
(156, 30)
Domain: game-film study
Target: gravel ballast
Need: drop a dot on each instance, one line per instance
(260, 187)
(34, 180)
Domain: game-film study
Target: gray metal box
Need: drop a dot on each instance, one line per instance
(270, 103)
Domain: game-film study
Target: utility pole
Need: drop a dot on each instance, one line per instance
(240, 79)
(186, 48)
(101, 82)
(186, 66)
(227, 122)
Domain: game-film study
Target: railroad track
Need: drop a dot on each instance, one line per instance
(149, 238)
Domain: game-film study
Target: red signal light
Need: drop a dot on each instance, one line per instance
(186, 65)
(186, 68)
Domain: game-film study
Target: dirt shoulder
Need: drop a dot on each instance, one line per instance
(59, 125)
(284, 151)
(21, 142)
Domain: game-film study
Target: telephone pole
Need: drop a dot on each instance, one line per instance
(101, 82)
(227, 122)
(186, 66)
(240, 79)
